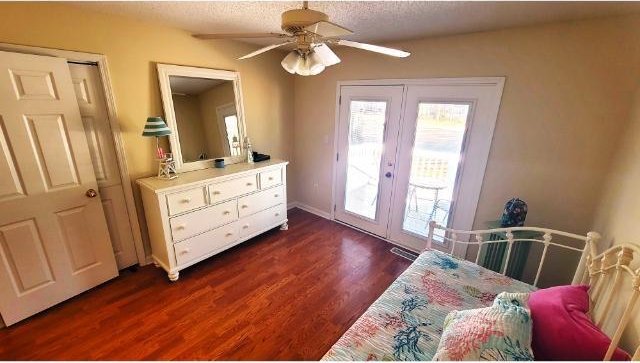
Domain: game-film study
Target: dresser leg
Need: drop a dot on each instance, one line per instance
(284, 226)
(173, 276)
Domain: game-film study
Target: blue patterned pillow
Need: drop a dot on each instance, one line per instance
(499, 332)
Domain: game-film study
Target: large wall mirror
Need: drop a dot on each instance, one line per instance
(203, 109)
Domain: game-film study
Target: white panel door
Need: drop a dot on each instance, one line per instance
(93, 109)
(54, 241)
(369, 122)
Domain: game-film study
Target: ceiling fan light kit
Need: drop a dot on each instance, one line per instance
(304, 64)
(310, 31)
(325, 53)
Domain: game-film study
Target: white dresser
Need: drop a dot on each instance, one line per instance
(204, 212)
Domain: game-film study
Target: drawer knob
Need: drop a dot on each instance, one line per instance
(277, 214)
(181, 226)
(249, 184)
(216, 192)
(229, 234)
(244, 206)
(186, 200)
(270, 178)
(185, 251)
(276, 195)
(226, 212)
(245, 226)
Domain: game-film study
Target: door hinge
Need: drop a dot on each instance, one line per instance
(334, 207)
(340, 100)
(337, 156)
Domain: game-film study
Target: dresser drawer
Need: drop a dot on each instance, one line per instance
(270, 178)
(190, 224)
(260, 221)
(232, 188)
(262, 200)
(187, 200)
(205, 243)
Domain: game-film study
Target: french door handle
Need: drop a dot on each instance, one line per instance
(388, 174)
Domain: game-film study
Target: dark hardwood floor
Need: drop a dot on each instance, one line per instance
(286, 295)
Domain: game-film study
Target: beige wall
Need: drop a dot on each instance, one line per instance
(219, 95)
(190, 126)
(133, 47)
(567, 94)
(619, 211)
(618, 215)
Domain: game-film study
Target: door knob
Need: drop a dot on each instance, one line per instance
(388, 174)
(91, 193)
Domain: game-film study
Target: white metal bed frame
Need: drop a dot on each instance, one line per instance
(605, 272)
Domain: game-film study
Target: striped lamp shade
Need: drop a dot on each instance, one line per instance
(155, 126)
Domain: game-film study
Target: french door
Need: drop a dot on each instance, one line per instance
(409, 154)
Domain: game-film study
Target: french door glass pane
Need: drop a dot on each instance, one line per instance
(434, 164)
(366, 137)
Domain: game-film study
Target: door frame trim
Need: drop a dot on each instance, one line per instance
(103, 69)
(497, 82)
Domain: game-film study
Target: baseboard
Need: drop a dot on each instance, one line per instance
(148, 260)
(310, 209)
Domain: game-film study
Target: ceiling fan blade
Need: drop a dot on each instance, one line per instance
(374, 48)
(240, 35)
(327, 56)
(266, 49)
(328, 29)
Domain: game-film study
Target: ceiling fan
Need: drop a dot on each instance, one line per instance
(311, 32)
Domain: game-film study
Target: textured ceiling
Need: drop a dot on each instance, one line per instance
(383, 21)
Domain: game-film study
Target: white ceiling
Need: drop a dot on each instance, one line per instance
(372, 21)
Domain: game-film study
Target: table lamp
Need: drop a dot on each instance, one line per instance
(155, 126)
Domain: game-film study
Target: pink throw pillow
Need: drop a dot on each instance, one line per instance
(562, 329)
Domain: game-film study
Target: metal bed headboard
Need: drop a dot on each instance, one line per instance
(605, 272)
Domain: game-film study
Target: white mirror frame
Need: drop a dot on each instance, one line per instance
(167, 70)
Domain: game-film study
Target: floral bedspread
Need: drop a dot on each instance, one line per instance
(405, 323)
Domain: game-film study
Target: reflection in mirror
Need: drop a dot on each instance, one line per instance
(206, 117)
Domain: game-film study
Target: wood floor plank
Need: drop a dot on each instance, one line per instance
(285, 295)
